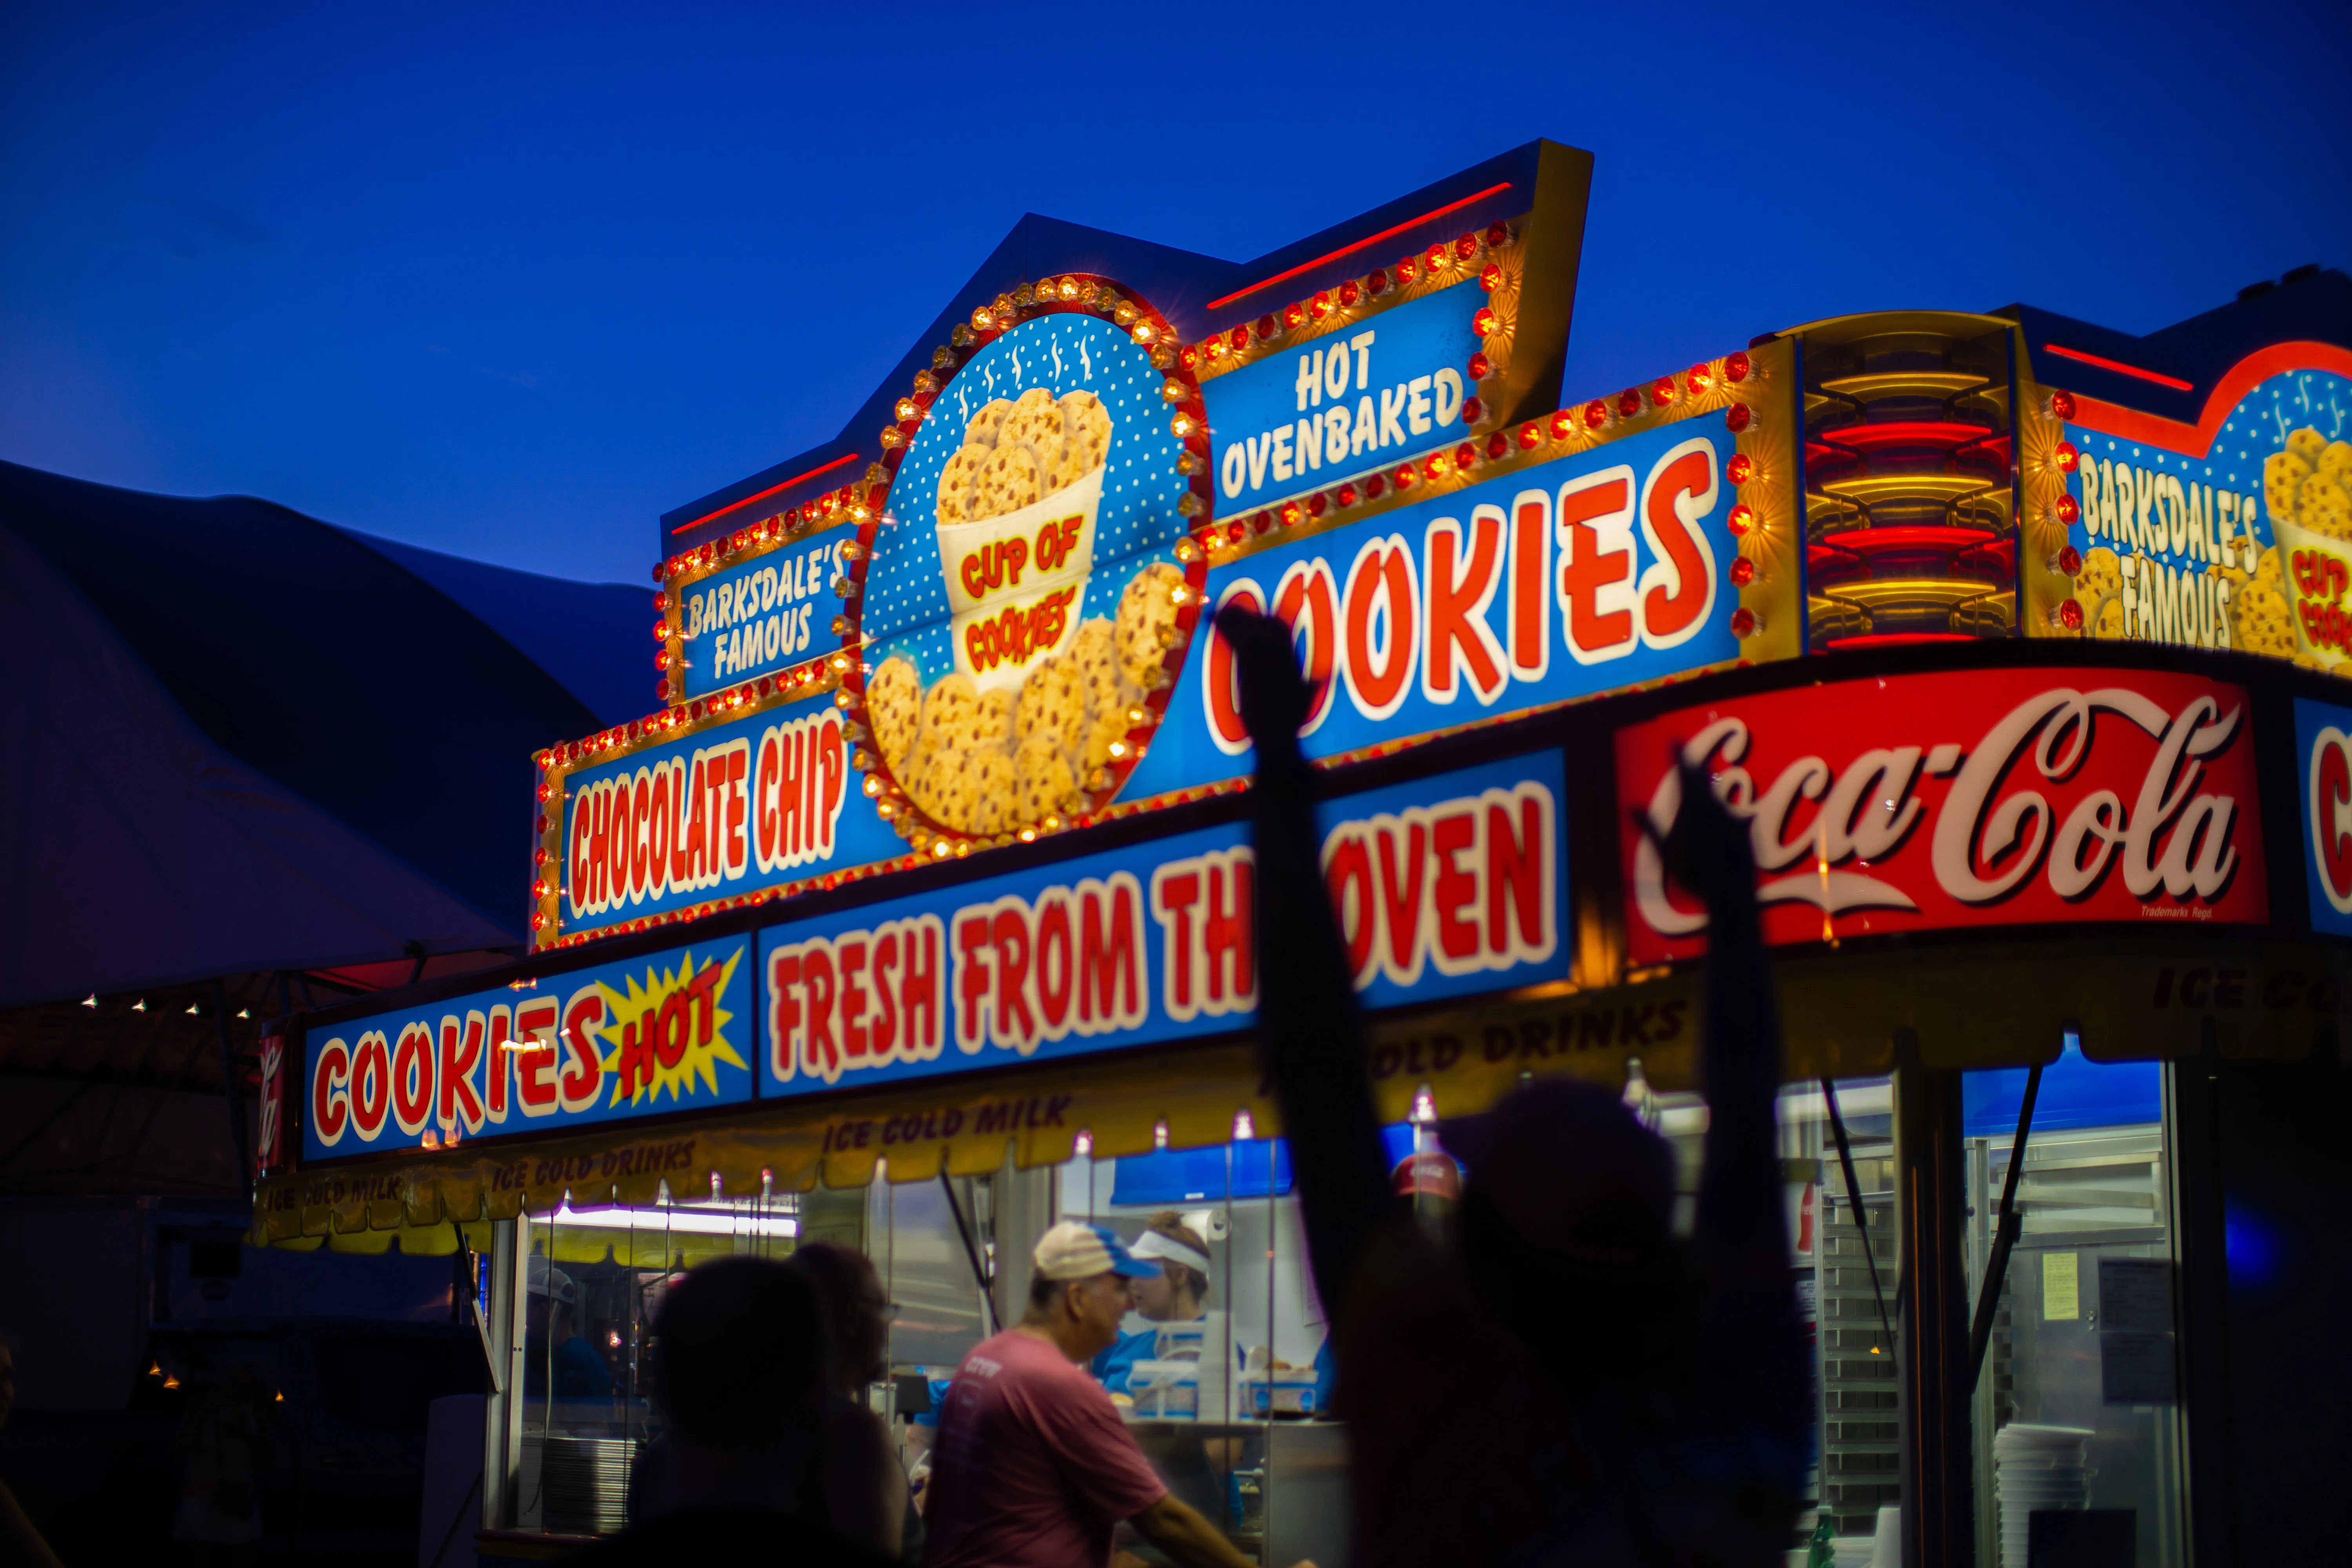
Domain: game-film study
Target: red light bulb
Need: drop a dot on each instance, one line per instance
(1349, 292)
(2070, 562)
(2070, 616)
(1743, 622)
(1738, 418)
(1743, 572)
(1474, 409)
(1629, 403)
(1596, 415)
(1531, 435)
(1485, 322)
(1740, 519)
(1496, 444)
(2067, 459)
(1662, 393)
(2062, 404)
(1480, 368)
(1735, 367)
(1739, 467)
(2068, 509)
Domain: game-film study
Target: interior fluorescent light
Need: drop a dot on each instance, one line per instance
(680, 1221)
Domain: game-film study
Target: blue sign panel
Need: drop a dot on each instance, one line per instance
(1591, 574)
(674, 1031)
(1445, 886)
(765, 615)
(2323, 749)
(1353, 402)
(757, 803)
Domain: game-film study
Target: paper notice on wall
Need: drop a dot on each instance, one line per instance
(2136, 1295)
(2062, 1288)
(2136, 1369)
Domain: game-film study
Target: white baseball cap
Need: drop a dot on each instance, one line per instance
(1074, 1251)
(548, 1280)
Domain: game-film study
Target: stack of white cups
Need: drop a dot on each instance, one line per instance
(2035, 1467)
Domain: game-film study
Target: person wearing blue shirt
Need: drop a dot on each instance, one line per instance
(579, 1372)
(1177, 1296)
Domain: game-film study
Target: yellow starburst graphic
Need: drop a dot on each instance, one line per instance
(667, 1034)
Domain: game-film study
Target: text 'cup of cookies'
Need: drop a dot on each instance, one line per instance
(2318, 580)
(1016, 518)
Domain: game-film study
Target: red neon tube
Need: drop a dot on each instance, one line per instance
(1350, 249)
(764, 495)
(2173, 382)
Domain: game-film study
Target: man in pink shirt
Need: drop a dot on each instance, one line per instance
(1032, 1468)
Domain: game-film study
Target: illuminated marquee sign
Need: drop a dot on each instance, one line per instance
(1389, 387)
(668, 1032)
(2235, 535)
(1629, 561)
(1024, 557)
(758, 803)
(761, 616)
(1445, 887)
(1977, 798)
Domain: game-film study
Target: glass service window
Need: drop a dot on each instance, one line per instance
(2079, 1448)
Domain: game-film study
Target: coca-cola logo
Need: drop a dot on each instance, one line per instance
(1974, 798)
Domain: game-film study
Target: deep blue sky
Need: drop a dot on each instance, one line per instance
(508, 281)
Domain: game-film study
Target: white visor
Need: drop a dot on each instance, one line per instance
(1151, 1244)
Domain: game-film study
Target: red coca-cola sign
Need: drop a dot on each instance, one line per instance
(1973, 798)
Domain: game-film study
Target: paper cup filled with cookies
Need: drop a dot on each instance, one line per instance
(1016, 511)
(988, 760)
(2307, 488)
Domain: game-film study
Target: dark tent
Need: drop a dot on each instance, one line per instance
(241, 746)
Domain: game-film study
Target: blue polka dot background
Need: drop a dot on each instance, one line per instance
(1062, 352)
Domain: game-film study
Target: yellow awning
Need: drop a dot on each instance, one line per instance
(1989, 1006)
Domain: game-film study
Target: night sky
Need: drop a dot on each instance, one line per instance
(510, 281)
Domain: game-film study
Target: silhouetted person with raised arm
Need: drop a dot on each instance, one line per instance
(1566, 1382)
